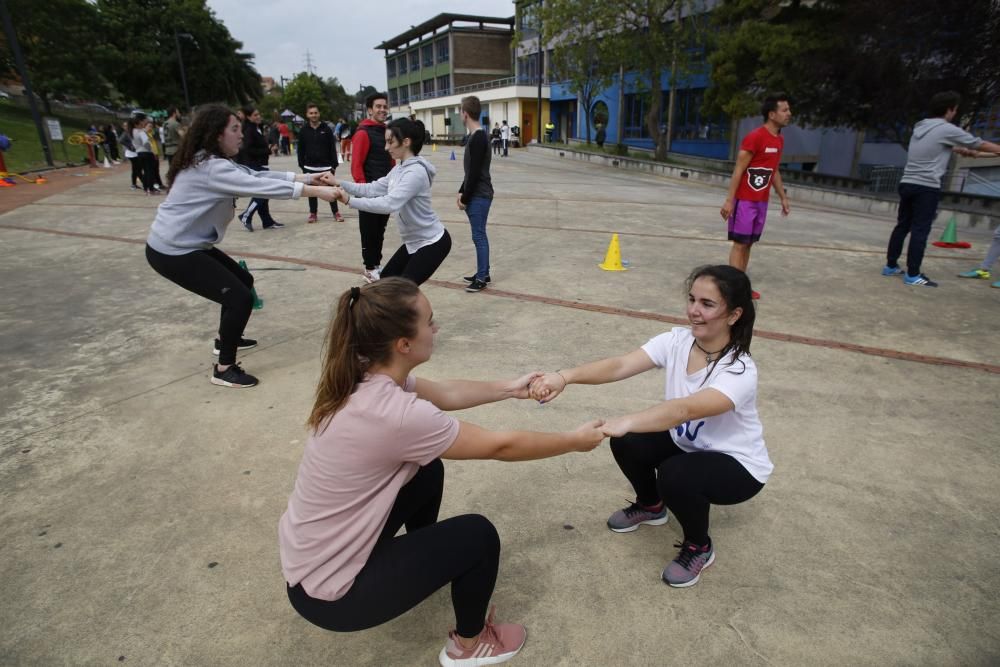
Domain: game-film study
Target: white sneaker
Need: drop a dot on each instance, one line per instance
(371, 275)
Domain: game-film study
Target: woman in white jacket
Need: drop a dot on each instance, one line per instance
(204, 182)
(405, 191)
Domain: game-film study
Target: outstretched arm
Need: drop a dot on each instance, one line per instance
(668, 414)
(612, 369)
(462, 394)
(474, 442)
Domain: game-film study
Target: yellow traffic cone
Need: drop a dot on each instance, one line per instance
(434, 148)
(613, 258)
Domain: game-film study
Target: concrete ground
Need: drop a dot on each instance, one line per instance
(139, 502)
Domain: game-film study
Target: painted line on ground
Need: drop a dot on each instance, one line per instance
(576, 305)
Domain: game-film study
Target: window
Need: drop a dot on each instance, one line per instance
(444, 85)
(442, 49)
(414, 60)
(390, 67)
(527, 69)
(393, 97)
(427, 53)
(690, 123)
(428, 88)
(414, 91)
(402, 63)
(404, 95)
(529, 17)
(634, 124)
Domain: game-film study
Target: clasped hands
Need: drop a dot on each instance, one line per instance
(328, 187)
(545, 387)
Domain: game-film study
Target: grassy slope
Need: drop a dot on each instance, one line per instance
(26, 151)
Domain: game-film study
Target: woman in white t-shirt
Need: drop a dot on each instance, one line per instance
(704, 444)
(372, 464)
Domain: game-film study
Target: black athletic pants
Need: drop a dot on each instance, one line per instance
(216, 276)
(403, 571)
(372, 227)
(687, 482)
(422, 264)
(147, 170)
(258, 205)
(917, 208)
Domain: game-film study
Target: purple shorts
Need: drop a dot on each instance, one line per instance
(746, 223)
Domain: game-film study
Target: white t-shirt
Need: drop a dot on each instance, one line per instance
(738, 432)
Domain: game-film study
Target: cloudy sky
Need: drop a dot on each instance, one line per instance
(340, 36)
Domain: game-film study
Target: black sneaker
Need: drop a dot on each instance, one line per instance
(475, 286)
(472, 279)
(247, 223)
(244, 344)
(274, 225)
(232, 377)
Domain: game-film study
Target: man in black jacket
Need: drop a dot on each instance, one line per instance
(317, 152)
(254, 153)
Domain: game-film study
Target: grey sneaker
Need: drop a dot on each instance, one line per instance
(685, 570)
(629, 519)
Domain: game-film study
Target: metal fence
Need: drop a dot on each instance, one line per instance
(881, 178)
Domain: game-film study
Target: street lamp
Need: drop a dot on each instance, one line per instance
(180, 60)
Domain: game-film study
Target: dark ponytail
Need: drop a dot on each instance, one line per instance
(368, 321)
(404, 128)
(734, 286)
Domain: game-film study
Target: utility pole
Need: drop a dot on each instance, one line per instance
(541, 62)
(180, 60)
(309, 63)
(22, 71)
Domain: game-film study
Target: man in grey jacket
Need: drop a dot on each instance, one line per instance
(933, 141)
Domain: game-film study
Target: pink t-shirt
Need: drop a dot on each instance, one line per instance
(350, 475)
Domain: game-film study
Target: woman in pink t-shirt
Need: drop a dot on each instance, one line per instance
(372, 465)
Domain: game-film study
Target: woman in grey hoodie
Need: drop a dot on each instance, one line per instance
(405, 191)
(204, 183)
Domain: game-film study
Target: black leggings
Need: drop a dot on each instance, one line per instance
(258, 205)
(216, 276)
(403, 571)
(147, 170)
(422, 264)
(687, 482)
(372, 227)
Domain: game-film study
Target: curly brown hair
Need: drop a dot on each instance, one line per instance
(208, 125)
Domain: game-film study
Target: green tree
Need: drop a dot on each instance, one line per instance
(341, 102)
(217, 71)
(651, 37)
(580, 56)
(862, 64)
(63, 46)
(305, 88)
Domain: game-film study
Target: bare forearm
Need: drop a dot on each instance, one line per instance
(530, 445)
(658, 418)
(779, 185)
(596, 372)
(462, 394)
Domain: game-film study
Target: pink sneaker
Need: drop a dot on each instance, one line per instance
(499, 642)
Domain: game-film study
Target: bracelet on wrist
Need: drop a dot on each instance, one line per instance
(565, 382)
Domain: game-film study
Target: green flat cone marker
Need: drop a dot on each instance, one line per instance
(258, 303)
(950, 234)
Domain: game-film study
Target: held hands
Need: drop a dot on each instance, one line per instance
(616, 428)
(591, 435)
(521, 387)
(546, 387)
(327, 178)
(326, 193)
(341, 195)
(319, 177)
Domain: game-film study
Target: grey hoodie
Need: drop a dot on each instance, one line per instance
(201, 203)
(405, 191)
(930, 150)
